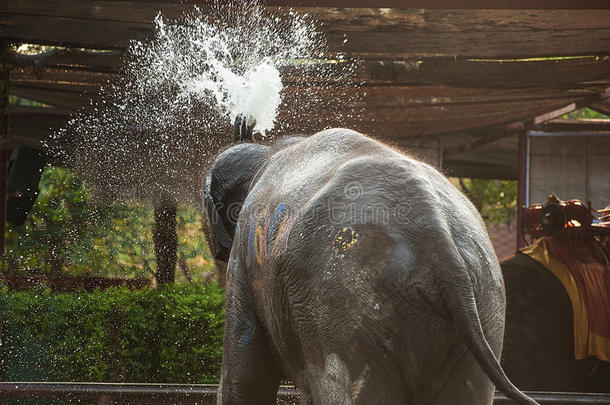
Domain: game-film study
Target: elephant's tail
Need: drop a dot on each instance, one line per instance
(461, 304)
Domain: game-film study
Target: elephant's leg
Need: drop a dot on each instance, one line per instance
(379, 388)
(357, 381)
(250, 371)
(250, 374)
(466, 384)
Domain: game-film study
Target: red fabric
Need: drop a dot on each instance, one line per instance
(584, 261)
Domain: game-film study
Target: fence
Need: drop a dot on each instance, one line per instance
(113, 394)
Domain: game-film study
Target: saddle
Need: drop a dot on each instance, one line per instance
(571, 241)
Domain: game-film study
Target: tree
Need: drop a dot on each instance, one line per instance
(62, 228)
(69, 232)
(496, 200)
(166, 239)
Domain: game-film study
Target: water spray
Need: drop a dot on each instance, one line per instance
(182, 90)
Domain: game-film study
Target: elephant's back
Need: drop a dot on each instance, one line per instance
(342, 185)
(297, 171)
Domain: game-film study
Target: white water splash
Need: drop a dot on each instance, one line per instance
(152, 130)
(255, 95)
(231, 65)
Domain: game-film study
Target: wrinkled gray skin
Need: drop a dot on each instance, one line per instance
(381, 288)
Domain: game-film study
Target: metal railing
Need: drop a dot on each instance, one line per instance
(204, 394)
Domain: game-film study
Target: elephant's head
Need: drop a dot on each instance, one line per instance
(227, 183)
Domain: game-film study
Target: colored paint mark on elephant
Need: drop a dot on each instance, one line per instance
(274, 226)
(260, 238)
(268, 236)
(359, 383)
(251, 233)
(344, 239)
(281, 239)
(249, 331)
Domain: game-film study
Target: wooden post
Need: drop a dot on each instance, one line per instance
(1, 359)
(221, 273)
(4, 149)
(166, 239)
(522, 187)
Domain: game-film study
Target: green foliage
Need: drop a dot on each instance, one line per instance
(32, 49)
(68, 232)
(170, 334)
(14, 100)
(62, 228)
(584, 113)
(496, 200)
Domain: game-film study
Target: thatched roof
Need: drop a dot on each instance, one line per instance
(456, 83)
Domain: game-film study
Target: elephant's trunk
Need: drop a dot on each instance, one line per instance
(243, 128)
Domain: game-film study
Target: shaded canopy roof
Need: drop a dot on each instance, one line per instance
(452, 82)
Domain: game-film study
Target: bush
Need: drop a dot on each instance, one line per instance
(171, 334)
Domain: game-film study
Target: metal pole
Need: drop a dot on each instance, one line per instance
(522, 184)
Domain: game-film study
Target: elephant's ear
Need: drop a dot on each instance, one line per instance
(227, 184)
(220, 233)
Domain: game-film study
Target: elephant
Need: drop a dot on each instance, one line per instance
(358, 273)
(540, 333)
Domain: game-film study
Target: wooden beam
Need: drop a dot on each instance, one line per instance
(378, 33)
(521, 187)
(432, 70)
(400, 121)
(70, 66)
(488, 73)
(401, 112)
(446, 4)
(70, 32)
(36, 123)
(431, 4)
(86, 81)
(601, 126)
(505, 158)
(601, 107)
(98, 10)
(101, 62)
(70, 99)
(492, 136)
(19, 140)
(395, 111)
(60, 77)
(370, 33)
(390, 122)
(577, 104)
(31, 126)
(71, 60)
(145, 11)
(478, 170)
